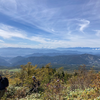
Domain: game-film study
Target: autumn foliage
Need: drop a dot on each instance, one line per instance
(55, 84)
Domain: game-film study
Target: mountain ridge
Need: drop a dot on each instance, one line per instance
(60, 59)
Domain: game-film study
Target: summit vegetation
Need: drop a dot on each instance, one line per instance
(55, 84)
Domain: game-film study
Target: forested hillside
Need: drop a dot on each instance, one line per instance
(86, 59)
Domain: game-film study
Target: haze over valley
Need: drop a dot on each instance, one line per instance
(14, 57)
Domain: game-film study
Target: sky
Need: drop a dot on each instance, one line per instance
(49, 23)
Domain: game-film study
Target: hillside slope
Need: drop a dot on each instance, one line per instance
(62, 59)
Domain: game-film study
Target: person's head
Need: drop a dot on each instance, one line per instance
(0, 76)
(33, 78)
(58, 80)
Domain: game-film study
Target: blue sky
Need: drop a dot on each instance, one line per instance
(49, 23)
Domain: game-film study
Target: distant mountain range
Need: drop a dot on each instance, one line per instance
(14, 52)
(78, 55)
(87, 59)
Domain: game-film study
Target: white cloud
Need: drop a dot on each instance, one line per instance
(97, 33)
(7, 35)
(63, 28)
(8, 32)
(17, 45)
(84, 24)
(91, 9)
(76, 41)
(1, 41)
(34, 13)
(47, 18)
(52, 30)
(71, 40)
